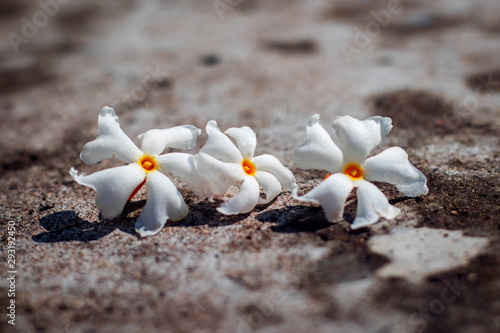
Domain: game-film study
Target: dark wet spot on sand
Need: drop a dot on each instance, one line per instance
(491, 27)
(79, 18)
(356, 10)
(10, 8)
(411, 109)
(422, 22)
(299, 46)
(260, 314)
(336, 267)
(349, 12)
(421, 114)
(466, 287)
(23, 72)
(245, 5)
(485, 82)
(466, 202)
(402, 19)
(19, 160)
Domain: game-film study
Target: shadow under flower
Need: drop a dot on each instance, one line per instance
(294, 219)
(205, 213)
(67, 226)
(402, 199)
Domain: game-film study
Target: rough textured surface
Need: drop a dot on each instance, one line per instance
(417, 253)
(269, 65)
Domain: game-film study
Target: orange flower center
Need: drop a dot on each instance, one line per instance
(354, 171)
(148, 163)
(248, 167)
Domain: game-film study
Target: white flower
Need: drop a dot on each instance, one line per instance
(116, 186)
(226, 165)
(350, 168)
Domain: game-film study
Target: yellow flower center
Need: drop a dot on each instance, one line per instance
(354, 170)
(148, 163)
(248, 167)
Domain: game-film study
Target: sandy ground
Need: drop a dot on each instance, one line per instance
(432, 66)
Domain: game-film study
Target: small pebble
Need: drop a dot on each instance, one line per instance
(210, 59)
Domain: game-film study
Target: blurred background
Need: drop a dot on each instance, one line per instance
(267, 64)
(432, 66)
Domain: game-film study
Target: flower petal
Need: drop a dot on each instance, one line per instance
(220, 146)
(154, 142)
(269, 184)
(111, 141)
(331, 194)
(318, 151)
(245, 139)
(392, 166)
(164, 202)
(357, 138)
(182, 165)
(222, 175)
(113, 187)
(372, 204)
(244, 201)
(271, 164)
